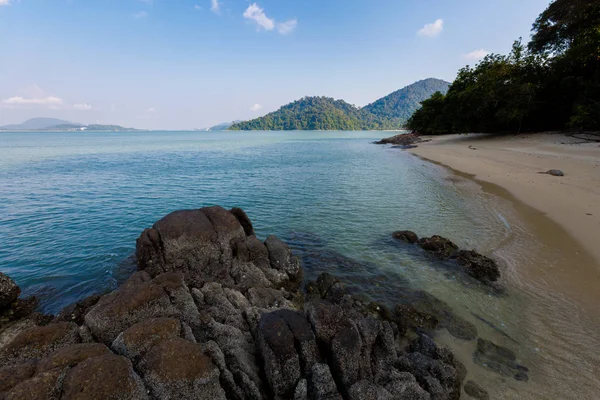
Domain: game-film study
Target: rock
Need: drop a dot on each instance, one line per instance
(104, 377)
(71, 356)
(406, 236)
(479, 267)
(140, 299)
(301, 392)
(403, 385)
(76, 312)
(12, 375)
(554, 172)
(243, 219)
(139, 338)
(321, 384)
(475, 391)
(404, 139)
(288, 347)
(365, 390)
(194, 242)
(45, 385)
(499, 359)
(346, 360)
(38, 342)
(9, 291)
(326, 319)
(178, 369)
(407, 316)
(281, 259)
(441, 247)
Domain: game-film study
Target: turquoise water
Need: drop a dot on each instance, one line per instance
(73, 204)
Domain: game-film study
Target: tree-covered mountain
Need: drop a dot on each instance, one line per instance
(404, 102)
(308, 113)
(324, 113)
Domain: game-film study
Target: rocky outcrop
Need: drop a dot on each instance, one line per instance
(403, 139)
(215, 313)
(474, 264)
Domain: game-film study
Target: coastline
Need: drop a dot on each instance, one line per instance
(514, 162)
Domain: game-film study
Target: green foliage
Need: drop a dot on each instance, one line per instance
(323, 113)
(554, 83)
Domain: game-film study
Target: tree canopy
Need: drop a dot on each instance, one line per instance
(552, 83)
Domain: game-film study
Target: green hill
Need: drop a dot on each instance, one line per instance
(324, 113)
(308, 113)
(404, 102)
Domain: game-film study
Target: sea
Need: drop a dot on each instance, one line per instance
(73, 204)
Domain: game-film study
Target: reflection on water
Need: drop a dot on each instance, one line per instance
(73, 205)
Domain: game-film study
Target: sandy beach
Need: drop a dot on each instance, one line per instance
(513, 162)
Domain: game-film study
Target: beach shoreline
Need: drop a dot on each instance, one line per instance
(514, 163)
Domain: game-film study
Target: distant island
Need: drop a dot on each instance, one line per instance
(59, 125)
(323, 113)
(223, 126)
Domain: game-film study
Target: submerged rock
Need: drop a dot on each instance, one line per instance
(476, 391)
(441, 247)
(553, 172)
(499, 359)
(406, 236)
(479, 267)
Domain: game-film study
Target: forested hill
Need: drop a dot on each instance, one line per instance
(404, 102)
(324, 113)
(309, 113)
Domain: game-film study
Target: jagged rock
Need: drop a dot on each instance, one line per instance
(365, 390)
(441, 247)
(499, 359)
(140, 299)
(243, 220)
(71, 356)
(9, 291)
(403, 385)
(326, 319)
(301, 392)
(288, 348)
(38, 342)
(476, 391)
(178, 369)
(346, 349)
(12, 375)
(479, 267)
(281, 259)
(104, 377)
(406, 236)
(139, 338)
(321, 385)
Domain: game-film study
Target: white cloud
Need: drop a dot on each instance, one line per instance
(432, 30)
(4, 2)
(257, 14)
(476, 55)
(286, 27)
(256, 107)
(151, 110)
(197, 7)
(140, 15)
(82, 106)
(215, 6)
(39, 101)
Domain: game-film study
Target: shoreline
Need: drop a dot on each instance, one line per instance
(513, 163)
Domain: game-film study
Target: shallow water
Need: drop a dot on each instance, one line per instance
(74, 203)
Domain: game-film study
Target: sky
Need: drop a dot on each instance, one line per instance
(179, 64)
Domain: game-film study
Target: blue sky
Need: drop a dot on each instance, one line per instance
(179, 64)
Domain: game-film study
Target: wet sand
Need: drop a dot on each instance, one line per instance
(551, 262)
(514, 162)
